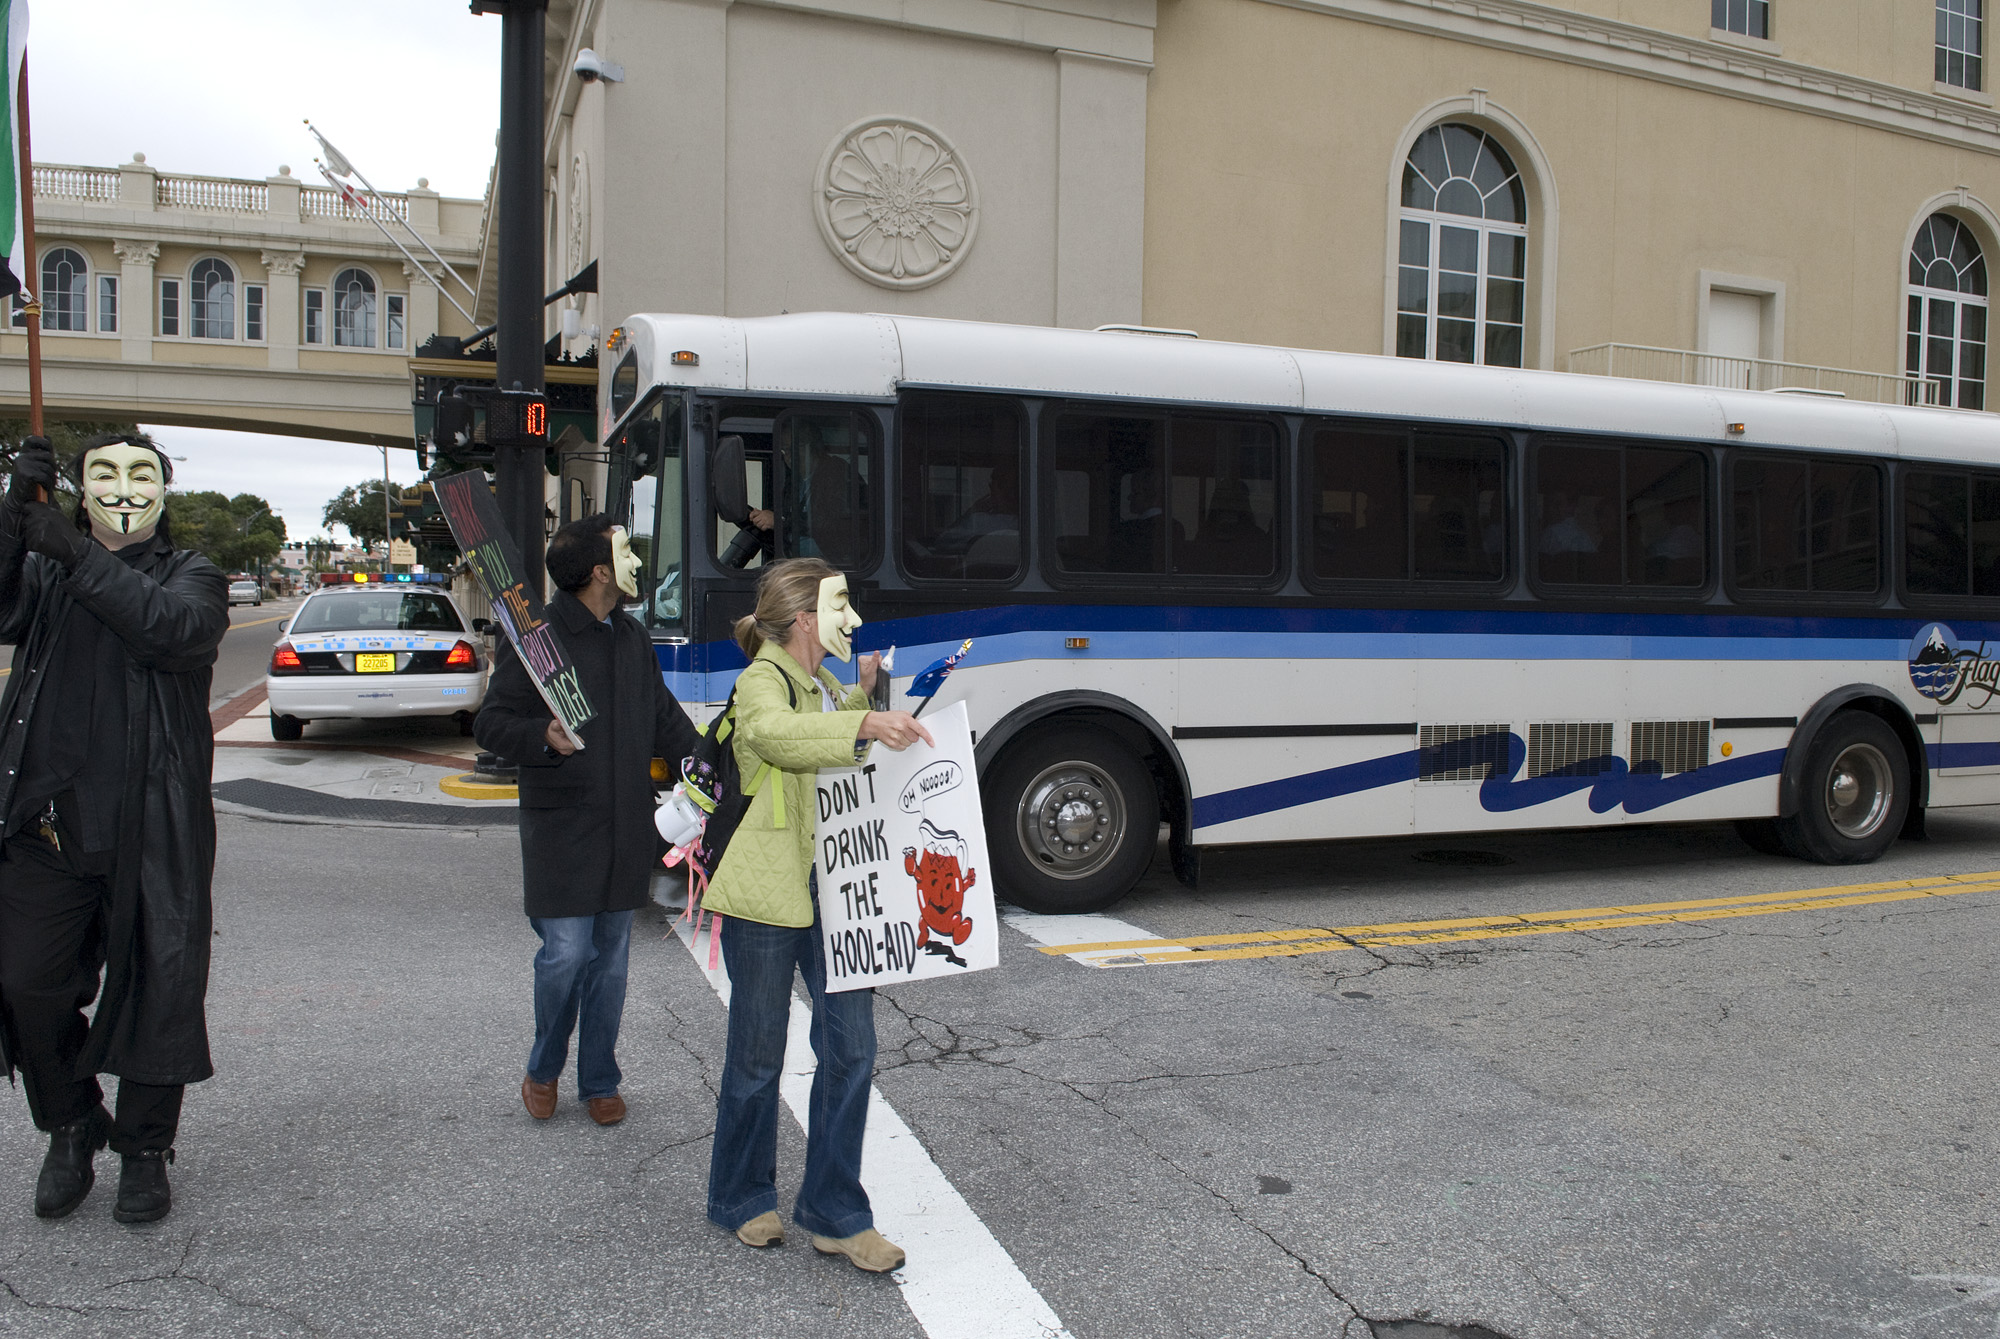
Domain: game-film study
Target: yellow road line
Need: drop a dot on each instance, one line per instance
(1293, 943)
(275, 618)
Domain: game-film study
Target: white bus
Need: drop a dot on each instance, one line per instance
(1264, 594)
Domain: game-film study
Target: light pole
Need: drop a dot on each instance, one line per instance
(387, 566)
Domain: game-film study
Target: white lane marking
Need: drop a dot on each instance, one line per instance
(1061, 931)
(960, 1283)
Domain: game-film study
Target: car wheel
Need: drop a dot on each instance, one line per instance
(1853, 794)
(1072, 818)
(287, 727)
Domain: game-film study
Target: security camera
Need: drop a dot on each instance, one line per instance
(591, 67)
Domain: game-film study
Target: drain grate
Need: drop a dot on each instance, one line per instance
(1423, 1329)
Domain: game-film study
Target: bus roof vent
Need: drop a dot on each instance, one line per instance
(1809, 390)
(1148, 330)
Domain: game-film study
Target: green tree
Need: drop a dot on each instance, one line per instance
(359, 508)
(234, 533)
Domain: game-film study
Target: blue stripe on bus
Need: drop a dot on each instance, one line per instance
(1027, 632)
(1964, 755)
(1610, 788)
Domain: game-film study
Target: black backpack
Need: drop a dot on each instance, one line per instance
(712, 778)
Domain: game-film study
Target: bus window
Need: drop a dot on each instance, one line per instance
(1109, 503)
(1360, 505)
(1801, 524)
(1458, 509)
(826, 503)
(1986, 537)
(1609, 515)
(651, 443)
(625, 384)
(1223, 497)
(1937, 533)
(962, 465)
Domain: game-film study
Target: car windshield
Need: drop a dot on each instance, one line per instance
(378, 611)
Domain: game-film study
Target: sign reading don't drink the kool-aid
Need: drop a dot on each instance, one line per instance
(904, 892)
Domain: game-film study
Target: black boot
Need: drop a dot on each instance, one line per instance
(143, 1195)
(68, 1172)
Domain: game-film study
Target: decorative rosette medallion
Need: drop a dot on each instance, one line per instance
(895, 202)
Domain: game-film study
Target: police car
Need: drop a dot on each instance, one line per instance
(376, 646)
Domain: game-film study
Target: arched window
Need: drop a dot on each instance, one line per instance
(354, 309)
(65, 290)
(1462, 274)
(1945, 341)
(212, 300)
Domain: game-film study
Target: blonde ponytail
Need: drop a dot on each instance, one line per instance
(784, 591)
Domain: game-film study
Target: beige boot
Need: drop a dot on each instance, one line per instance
(868, 1249)
(763, 1230)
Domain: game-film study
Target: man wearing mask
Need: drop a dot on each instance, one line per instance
(588, 846)
(109, 833)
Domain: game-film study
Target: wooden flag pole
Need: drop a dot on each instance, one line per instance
(34, 305)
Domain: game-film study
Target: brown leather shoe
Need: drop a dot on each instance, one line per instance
(607, 1110)
(538, 1098)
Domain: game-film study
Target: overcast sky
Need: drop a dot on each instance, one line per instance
(404, 88)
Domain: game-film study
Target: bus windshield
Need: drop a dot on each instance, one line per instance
(647, 456)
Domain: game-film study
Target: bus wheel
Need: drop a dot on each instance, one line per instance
(1071, 821)
(1853, 795)
(286, 727)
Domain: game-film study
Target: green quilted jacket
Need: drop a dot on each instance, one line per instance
(779, 749)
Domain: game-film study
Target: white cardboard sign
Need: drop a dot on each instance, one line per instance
(904, 892)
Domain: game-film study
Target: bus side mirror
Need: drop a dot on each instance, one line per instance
(728, 486)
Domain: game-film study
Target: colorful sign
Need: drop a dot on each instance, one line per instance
(905, 892)
(468, 506)
(1950, 674)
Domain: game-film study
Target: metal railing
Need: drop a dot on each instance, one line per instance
(218, 194)
(61, 182)
(1691, 367)
(324, 202)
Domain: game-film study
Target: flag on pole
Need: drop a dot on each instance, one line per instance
(335, 159)
(14, 20)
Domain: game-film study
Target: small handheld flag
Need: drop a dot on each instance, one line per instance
(926, 685)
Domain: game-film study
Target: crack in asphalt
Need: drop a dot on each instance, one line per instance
(180, 1274)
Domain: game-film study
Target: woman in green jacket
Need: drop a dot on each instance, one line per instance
(793, 718)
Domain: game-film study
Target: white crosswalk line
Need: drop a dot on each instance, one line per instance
(1062, 931)
(959, 1283)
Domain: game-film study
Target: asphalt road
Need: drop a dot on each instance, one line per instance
(1766, 1123)
(245, 652)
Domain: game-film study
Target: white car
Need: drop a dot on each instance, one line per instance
(245, 592)
(384, 648)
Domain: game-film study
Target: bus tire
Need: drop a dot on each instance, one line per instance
(287, 728)
(1854, 792)
(1072, 818)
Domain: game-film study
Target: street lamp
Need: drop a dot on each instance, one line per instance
(244, 525)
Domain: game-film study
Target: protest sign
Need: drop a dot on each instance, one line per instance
(495, 562)
(904, 892)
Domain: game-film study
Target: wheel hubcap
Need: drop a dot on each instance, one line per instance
(1859, 790)
(1071, 820)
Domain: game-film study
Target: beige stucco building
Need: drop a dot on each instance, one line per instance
(1743, 179)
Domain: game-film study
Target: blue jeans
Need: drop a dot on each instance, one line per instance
(580, 987)
(743, 1170)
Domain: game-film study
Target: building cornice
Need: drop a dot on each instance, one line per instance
(232, 232)
(1688, 62)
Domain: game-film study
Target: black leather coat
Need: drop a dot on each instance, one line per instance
(587, 838)
(170, 609)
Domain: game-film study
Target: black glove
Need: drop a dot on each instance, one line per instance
(46, 530)
(34, 467)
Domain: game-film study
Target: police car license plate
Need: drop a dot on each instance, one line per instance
(375, 662)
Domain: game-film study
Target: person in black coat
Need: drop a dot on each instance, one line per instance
(588, 846)
(108, 842)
